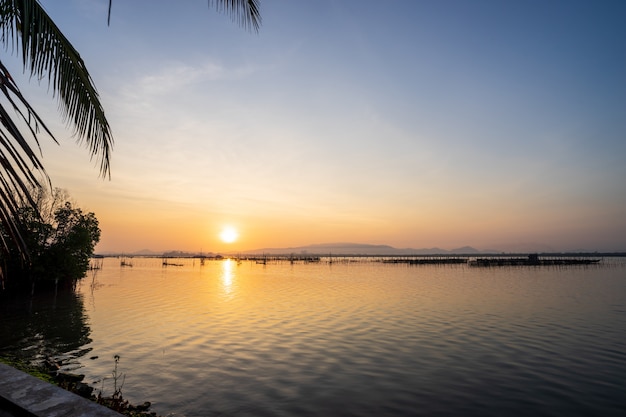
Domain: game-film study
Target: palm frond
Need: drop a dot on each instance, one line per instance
(46, 52)
(18, 161)
(27, 29)
(245, 12)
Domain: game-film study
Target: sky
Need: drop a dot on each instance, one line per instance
(416, 124)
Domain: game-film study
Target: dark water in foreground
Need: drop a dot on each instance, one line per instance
(359, 339)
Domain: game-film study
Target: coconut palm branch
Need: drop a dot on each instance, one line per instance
(18, 162)
(27, 29)
(47, 53)
(245, 12)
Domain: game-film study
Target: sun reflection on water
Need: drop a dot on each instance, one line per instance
(227, 276)
(279, 337)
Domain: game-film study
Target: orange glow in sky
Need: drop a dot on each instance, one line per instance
(489, 124)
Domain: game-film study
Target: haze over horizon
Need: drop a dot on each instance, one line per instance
(413, 124)
(351, 248)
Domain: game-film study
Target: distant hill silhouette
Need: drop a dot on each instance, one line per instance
(348, 248)
(362, 249)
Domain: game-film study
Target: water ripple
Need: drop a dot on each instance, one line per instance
(359, 339)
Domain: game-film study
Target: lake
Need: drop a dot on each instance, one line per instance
(359, 338)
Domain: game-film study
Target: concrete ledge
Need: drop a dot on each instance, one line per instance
(24, 395)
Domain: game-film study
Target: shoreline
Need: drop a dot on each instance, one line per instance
(50, 374)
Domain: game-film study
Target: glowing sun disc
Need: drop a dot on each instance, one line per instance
(228, 234)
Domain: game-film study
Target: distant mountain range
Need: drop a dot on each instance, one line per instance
(322, 249)
(363, 249)
(325, 249)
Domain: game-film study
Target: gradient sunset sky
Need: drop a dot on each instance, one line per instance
(495, 124)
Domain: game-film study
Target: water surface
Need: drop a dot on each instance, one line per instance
(347, 339)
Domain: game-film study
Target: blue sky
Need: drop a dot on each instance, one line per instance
(410, 123)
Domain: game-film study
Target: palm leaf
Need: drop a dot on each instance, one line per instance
(47, 53)
(18, 161)
(27, 29)
(244, 12)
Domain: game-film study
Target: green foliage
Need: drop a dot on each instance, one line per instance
(61, 240)
(72, 239)
(28, 368)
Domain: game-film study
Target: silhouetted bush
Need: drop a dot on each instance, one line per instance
(60, 239)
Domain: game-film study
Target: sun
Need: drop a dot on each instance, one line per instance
(229, 234)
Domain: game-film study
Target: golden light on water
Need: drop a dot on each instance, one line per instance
(227, 275)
